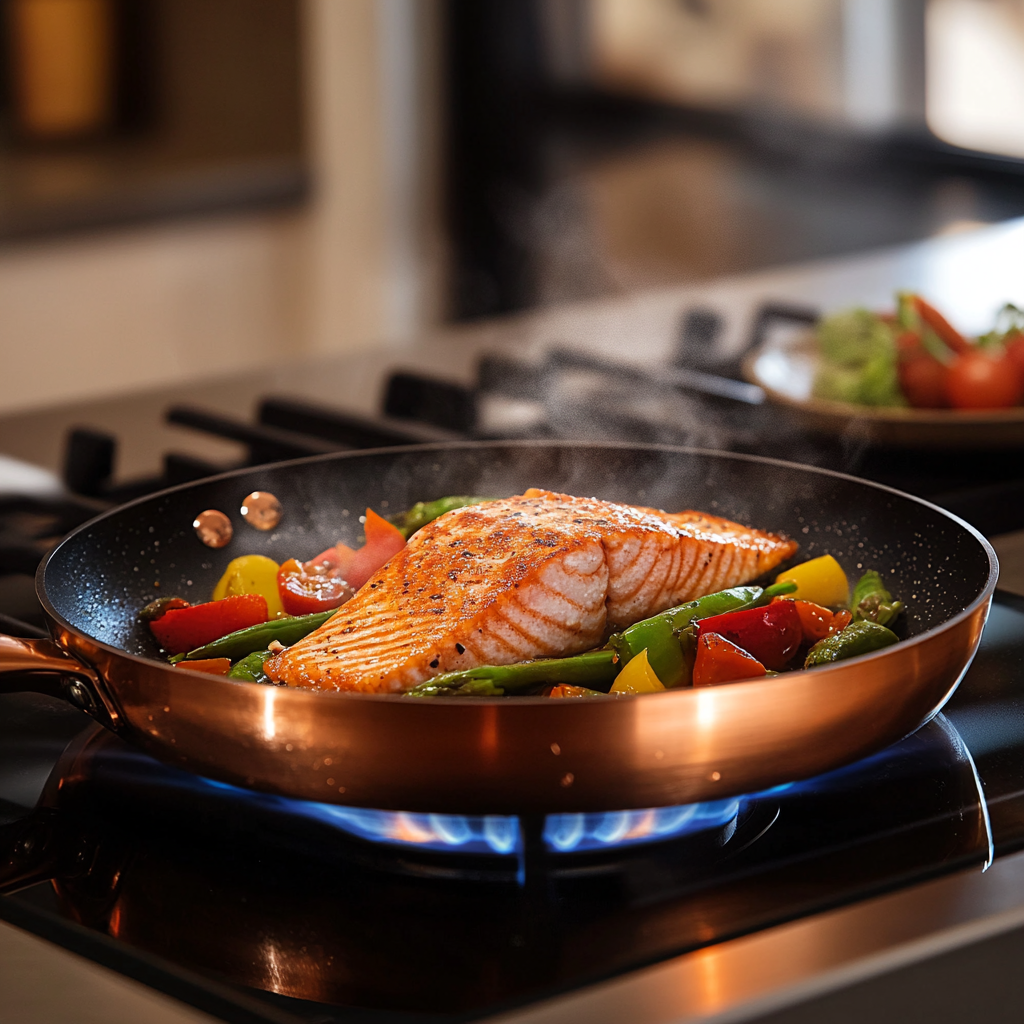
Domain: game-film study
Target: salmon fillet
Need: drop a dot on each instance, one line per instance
(538, 575)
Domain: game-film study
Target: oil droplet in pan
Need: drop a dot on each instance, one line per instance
(213, 528)
(261, 510)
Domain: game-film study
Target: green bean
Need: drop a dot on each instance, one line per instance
(593, 669)
(872, 602)
(861, 637)
(769, 594)
(250, 668)
(258, 638)
(424, 512)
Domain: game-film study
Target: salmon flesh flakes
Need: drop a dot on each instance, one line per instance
(533, 576)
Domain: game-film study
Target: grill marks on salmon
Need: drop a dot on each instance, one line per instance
(538, 575)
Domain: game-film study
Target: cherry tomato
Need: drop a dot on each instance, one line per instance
(909, 343)
(307, 587)
(1015, 350)
(978, 380)
(923, 381)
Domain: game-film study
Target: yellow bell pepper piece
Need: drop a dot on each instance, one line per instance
(637, 677)
(820, 580)
(252, 574)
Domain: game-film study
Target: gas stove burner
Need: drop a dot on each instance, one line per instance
(502, 835)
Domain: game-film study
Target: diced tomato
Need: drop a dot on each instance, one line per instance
(719, 661)
(980, 380)
(383, 540)
(941, 326)
(212, 666)
(185, 629)
(307, 587)
(771, 634)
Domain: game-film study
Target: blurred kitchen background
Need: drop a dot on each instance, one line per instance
(193, 188)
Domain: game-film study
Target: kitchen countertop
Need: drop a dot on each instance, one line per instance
(44, 984)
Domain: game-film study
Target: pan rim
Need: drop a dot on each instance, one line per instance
(983, 597)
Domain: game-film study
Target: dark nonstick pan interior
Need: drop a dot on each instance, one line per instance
(100, 576)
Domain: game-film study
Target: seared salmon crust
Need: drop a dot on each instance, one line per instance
(539, 575)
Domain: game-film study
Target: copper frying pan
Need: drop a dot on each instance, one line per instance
(504, 755)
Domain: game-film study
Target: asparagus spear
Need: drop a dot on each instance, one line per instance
(258, 638)
(871, 601)
(594, 669)
(424, 512)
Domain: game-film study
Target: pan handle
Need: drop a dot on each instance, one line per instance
(40, 666)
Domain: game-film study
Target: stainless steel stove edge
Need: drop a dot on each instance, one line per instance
(890, 940)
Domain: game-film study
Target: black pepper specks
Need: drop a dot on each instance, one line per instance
(460, 648)
(435, 663)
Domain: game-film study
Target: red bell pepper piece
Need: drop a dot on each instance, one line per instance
(307, 587)
(771, 634)
(212, 666)
(719, 661)
(840, 621)
(815, 620)
(818, 622)
(185, 629)
(941, 326)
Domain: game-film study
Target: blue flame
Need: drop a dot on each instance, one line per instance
(500, 834)
(565, 833)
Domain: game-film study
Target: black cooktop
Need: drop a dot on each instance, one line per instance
(257, 908)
